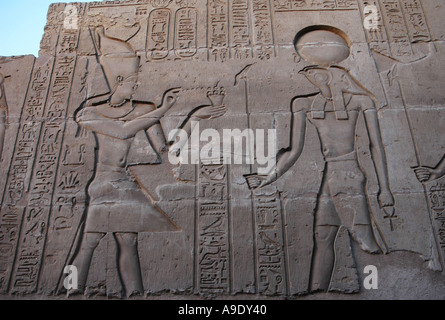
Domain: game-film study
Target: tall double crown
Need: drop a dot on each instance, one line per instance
(117, 57)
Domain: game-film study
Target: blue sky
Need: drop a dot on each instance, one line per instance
(22, 24)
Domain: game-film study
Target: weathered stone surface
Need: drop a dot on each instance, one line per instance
(315, 149)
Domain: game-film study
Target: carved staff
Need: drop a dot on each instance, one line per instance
(394, 80)
(390, 64)
(242, 76)
(262, 237)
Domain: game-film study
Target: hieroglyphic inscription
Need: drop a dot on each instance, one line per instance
(218, 33)
(98, 4)
(240, 31)
(52, 28)
(270, 254)
(299, 5)
(437, 203)
(396, 28)
(70, 196)
(376, 36)
(141, 11)
(213, 229)
(186, 29)
(229, 31)
(398, 25)
(263, 37)
(14, 198)
(160, 3)
(186, 3)
(158, 34)
(346, 4)
(68, 41)
(416, 20)
(43, 180)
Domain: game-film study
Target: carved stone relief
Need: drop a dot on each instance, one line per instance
(3, 113)
(271, 148)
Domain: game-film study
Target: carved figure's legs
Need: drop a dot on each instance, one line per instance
(128, 262)
(362, 231)
(347, 184)
(326, 228)
(83, 258)
(342, 180)
(324, 257)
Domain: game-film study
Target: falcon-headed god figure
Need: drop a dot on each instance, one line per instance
(334, 111)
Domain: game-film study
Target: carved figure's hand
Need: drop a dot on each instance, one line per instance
(386, 199)
(170, 98)
(210, 112)
(255, 181)
(426, 174)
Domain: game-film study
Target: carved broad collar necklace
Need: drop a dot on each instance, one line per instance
(320, 102)
(117, 105)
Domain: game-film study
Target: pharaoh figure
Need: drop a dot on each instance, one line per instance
(3, 113)
(334, 111)
(117, 204)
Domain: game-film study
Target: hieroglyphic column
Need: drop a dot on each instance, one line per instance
(436, 198)
(270, 254)
(158, 34)
(240, 29)
(396, 28)
(399, 24)
(416, 20)
(263, 37)
(186, 32)
(34, 228)
(213, 253)
(70, 199)
(15, 197)
(376, 35)
(218, 30)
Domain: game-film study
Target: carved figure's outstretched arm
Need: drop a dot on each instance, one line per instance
(286, 158)
(90, 119)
